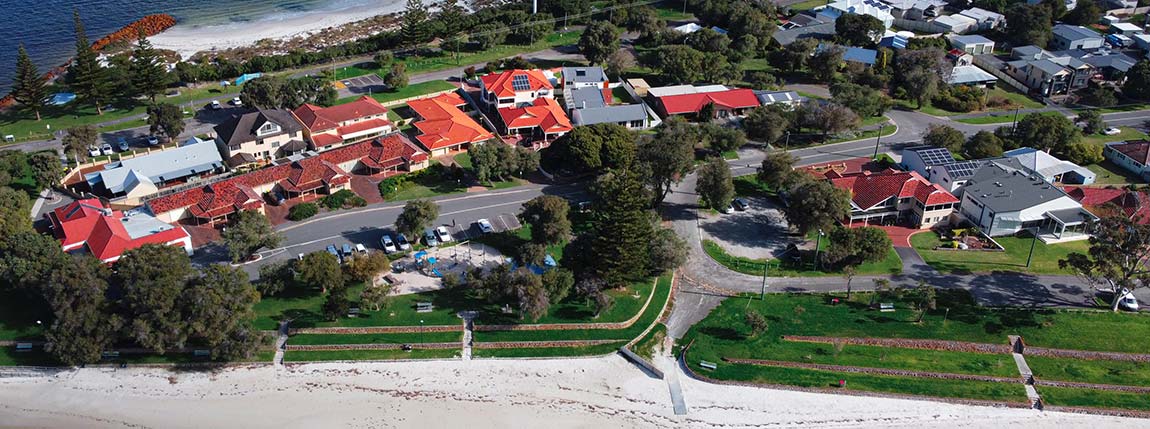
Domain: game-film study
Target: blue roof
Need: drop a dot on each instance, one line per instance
(895, 42)
(860, 55)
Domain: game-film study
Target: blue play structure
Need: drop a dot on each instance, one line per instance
(423, 261)
(548, 263)
(246, 77)
(62, 98)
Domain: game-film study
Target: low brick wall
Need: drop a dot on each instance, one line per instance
(1094, 386)
(379, 330)
(330, 347)
(540, 344)
(907, 343)
(876, 371)
(1086, 355)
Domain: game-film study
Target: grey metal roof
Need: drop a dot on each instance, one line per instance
(770, 97)
(815, 31)
(1050, 67)
(963, 169)
(1006, 190)
(1074, 32)
(1027, 52)
(1073, 216)
(971, 39)
(969, 74)
(609, 114)
(584, 74)
(184, 161)
(1116, 61)
(587, 98)
(242, 128)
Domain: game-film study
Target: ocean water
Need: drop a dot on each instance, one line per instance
(45, 26)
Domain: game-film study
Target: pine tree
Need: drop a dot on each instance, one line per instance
(86, 77)
(414, 27)
(28, 86)
(148, 74)
(622, 228)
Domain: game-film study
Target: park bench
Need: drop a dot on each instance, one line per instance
(707, 365)
(886, 307)
(23, 347)
(353, 312)
(109, 354)
(424, 307)
(201, 353)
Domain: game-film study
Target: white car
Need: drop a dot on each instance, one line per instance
(485, 226)
(1127, 301)
(106, 149)
(360, 249)
(93, 151)
(401, 240)
(442, 234)
(152, 141)
(727, 210)
(388, 244)
(1112, 131)
(237, 102)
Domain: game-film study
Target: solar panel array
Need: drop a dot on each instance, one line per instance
(935, 156)
(520, 83)
(963, 168)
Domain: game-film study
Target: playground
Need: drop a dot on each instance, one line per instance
(423, 271)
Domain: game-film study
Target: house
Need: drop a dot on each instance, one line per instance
(689, 100)
(1050, 168)
(895, 196)
(328, 128)
(144, 175)
(1075, 37)
(324, 173)
(894, 41)
(1070, 4)
(1108, 65)
(920, 159)
(986, 19)
(86, 226)
(589, 106)
(805, 25)
(1121, 4)
(1048, 74)
(1132, 155)
(789, 99)
(1126, 29)
(875, 8)
(954, 175)
(957, 24)
(915, 10)
(583, 77)
(972, 44)
(1111, 201)
(258, 137)
(444, 127)
(1003, 201)
(971, 75)
(692, 27)
(512, 88)
(866, 57)
(541, 121)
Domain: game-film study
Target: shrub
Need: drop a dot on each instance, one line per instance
(391, 185)
(959, 99)
(1000, 102)
(340, 199)
(303, 211)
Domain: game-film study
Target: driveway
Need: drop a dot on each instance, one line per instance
(760, 232)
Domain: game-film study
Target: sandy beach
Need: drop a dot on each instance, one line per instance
(187, 40)
(570, 393)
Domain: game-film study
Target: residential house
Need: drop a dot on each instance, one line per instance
(1070, 4)
(692, 27)
(915, 10)
(1108, 201)
(986, 19)
(260, 136)
(689, 100)
(875, 8)
(852, 54)
(584, 77)
(513, 88)
(539, 122)
(327, 128)
(789, 99)
(971, 75)
(954, 175)
(87, 226)
(1075, 37)
(1050, 168)
(1108, 65)
(895, 197)
(1132, 155)
(589, 106)
(1003, 201)
(1048, 74)
(144, 175)
(920, 159)
(972, 44)
(894, 41)
(1126, 29)
(444, 127)
(1121, 4)
(957, 24)
(805, 26)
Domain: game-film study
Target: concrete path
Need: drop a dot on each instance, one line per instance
(281, 343)
(672, 377)
(467, 335)
(1025, 372)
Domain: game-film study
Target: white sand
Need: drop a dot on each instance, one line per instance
(599, 393)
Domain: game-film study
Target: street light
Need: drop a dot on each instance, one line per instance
(818, 243)
(421, 331)
(876, 142)
(1032, 243)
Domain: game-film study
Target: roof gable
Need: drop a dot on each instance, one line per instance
(510, 82)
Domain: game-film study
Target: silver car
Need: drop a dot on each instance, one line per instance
(388, 244)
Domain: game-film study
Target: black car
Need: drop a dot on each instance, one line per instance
(740, 204)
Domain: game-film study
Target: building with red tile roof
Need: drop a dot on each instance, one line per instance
(892, 196)
(444, 127)
(1133, 155)
(514, 87)
(1109, 201)
(325, 173)
(543, 120)
(89, 227)
(327, 128)
(689, 100)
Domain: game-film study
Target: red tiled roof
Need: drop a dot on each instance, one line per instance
(501, 83)
(444, 125)
(1135, 205)
(85, 222)
(221, 197)
(364, 126)
(1138, 150)
(868, 190)
(737, 98)
(544, 113)
(316, 118)
(321, 140)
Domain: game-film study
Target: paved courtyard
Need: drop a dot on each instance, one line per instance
(760, 232)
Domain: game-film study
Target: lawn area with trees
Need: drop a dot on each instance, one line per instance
(1045, 260)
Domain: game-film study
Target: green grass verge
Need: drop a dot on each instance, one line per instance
(1109, 173)
(601, 349)
(388, 338)
(463, 160)
(987, 120)
(1072, 397)
(869, 134)
(892, 264)
(807, 5)
(750, 186)
(645, 347)
(890, 358)
(320, 356)
(19, 316)
(1090, 371)
(1045, 260)
(1126, 134)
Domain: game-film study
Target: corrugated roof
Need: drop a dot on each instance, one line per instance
(158, 167)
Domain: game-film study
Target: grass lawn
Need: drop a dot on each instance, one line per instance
(19, 316)
(1072, 397)
(1126, 134)
(1109, 173)
(807, 5)
(1005, 392)
(645, 347)
(891, 265)
(330, 355)
(1045, 259)
(1019, 100)
(1004, 118)
(37, 357)
(463, 160)
(672, 11)
(750, 186)
(413, 90)
(389, 338)
(601, 349)
(1090, 371)
(868, 134)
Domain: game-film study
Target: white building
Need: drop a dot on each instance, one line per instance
(874, 8)
(1002, 201)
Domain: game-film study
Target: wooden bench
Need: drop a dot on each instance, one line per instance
(424, 307)
(23, 347)
(707, 365)
(886, 307)
(353, 312)
(201, 353)
(109, 355)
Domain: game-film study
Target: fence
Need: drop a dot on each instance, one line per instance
(993, 65)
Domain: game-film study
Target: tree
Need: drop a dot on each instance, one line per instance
(218, 310)
(320, 269)
(364, 267)
(250, 232)
(863, 100)
(558, 282)
(28, 86)
(706, 113)
(1085, 13)
(944, 136)
(528, 290)
(1117, 257)
(591, 289)
(766, 124)
(375, 297)
(149, 74)
(1091, 121)
(1057, 9)
(1051, 132)
(849, 272)
(679, 63)
(14, 208)
(794, 56)
(46, 169)
(983, 144)
(167, 118)
(152, 278)
(777, 168)
(858, 30)
(1098, 96)
(619, 61)
(416, 216)
(547, 215)
(714, 184)
(83, 324)
(854, 246)
(599, 40)
(756, 322)
(830, 118)
(924, 299)
(825, 63)
(920, 73)
(79, 138)
(414, 23)
(1137, 84)
(816, 205)
(383, 58)
(668, 157)
(336, 304)
(262, 92)
(621, 228)
(27, 258)
(87, 78)
(1029, 24)
(668, 251)
(275, 277)
(1083, 153)
(396, 78)
(709, 41)
(721, 139)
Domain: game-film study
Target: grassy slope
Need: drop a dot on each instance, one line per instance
(319, 356)
(601, 349)
(891, 265)
(1045, 260)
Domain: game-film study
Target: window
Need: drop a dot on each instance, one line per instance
(506, 100)
(259, 142)
(268, 128)
(636, 124)
(275, 144)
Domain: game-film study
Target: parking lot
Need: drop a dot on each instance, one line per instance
(364, 84)
(759, 232)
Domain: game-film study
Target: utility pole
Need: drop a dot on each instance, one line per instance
(1033, 242)
(763, 292)
(787, 142)
(1014, 125)
(818, 244)
(876, 141)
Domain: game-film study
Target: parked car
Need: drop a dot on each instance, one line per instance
(122, 144)
(1112, 131)
(740, 204)
(485, 226)
(299, 257)
(277, 198)
(401, 241)
(106, 149)
(429, 237)
(360, 249)
(215, 105)
(1127, 301)
(442, 234)
(153, 140)
(727, 209)
(388, 244)
(347, 250)
(331, 249)
(93, 151)
(237, 102)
